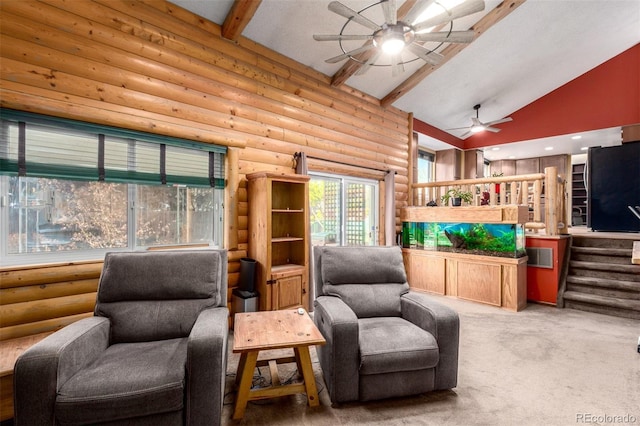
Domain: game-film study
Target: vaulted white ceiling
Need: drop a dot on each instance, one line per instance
(539, 46)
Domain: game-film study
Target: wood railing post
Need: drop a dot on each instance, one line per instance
(514, 193)
(551, 202)
(537, 195)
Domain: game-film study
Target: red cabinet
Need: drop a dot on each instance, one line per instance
(543, 280)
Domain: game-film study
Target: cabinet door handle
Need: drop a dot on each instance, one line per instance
(270, 282)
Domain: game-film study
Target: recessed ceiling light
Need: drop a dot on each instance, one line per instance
(495, 148)
(511, 157)
(576, 137)
(549, 148)
(584, 148)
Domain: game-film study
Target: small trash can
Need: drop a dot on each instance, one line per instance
(244, 298)
(244, 301)
(247, 280)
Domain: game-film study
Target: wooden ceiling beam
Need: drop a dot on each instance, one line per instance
(490, 19)
(238, 18)
(351, 67)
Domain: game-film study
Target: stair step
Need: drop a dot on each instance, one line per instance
(607, 275)
(622, 252)
(605, 283)
(586, 241)
(610, 302)
(599, 258)
(627, 269)
(602, 291)
(603, 310)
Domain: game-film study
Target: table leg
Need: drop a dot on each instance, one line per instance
(302, 353)
(298, 364)
(245, 372)
(241, 363)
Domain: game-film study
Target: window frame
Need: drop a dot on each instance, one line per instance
(421, 154)
(13, 160)
(344, 180)
(62, 256)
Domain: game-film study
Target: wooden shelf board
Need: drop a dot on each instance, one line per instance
(287, 211)
(286, 239)
(286, 268)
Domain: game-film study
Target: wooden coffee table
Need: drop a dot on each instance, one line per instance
(267, 330)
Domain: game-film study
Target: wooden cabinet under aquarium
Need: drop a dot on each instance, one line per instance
(475, 253)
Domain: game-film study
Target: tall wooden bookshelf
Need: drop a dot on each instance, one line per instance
(578, 195)
(279, 238)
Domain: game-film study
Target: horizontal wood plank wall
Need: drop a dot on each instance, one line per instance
(152, 66)
(46, 298)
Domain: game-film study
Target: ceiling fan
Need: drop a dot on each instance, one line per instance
(400, 32)
(479, 126)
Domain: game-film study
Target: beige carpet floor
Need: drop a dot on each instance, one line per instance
(540, 366)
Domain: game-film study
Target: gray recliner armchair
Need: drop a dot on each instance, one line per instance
(154, 353)
(383, 340)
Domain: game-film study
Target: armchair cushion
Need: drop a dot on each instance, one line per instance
(389, 345)
(158, 295)
(125, 378)
(371, 285)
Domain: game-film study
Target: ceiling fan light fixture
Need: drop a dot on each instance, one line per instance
(392, 45)
(398, 33)
(392, 39)
(476, 129)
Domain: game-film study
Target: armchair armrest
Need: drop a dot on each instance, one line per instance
(444, 324)
(53, 361)
(207, 367)
(339, 357)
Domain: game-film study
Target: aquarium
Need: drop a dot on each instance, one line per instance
(489, 239)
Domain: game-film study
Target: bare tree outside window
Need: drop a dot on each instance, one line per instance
(49, 215)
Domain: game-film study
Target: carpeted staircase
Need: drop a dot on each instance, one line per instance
(601, 278)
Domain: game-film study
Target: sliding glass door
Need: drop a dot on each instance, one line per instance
(343, 211)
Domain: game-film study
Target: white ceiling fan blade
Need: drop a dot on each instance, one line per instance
(334, 37)
(397, 67)
(372, 60)
(464, 9)
(342, 10)
(350, 53)
(476, 122)
(502, 120)
(492, 129)
(458, 128)
(390, 10)
(465, 134)
(426, 55)
(416, 11)
(448, 36)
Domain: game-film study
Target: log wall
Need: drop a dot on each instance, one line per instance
(152, 66)
(45, 298)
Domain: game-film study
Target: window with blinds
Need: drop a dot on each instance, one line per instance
(73, 190)
(35, 145)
